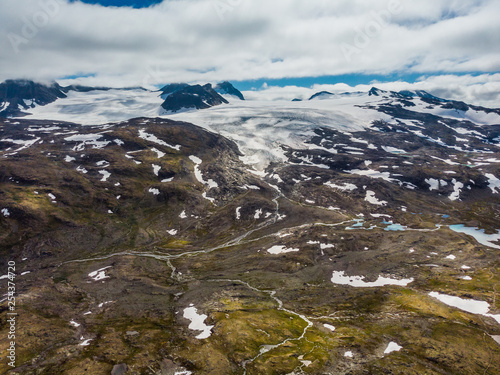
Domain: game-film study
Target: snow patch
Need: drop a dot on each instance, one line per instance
(275, 250)
(100, 274)
(105, 175)
(370, 198)
(392, 347)
(156, 169)
(153, 138)
(457, 186)
(468, 305)
(154, 191)
(330, 327)
(345, 187)
(198, 322)
(493, 183)
(357, 281)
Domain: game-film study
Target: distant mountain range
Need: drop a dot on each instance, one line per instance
(17, 97)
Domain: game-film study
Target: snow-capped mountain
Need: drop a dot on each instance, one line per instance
(180, 98)
(226, 88)
(19, 95)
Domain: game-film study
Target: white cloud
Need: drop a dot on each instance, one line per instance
(481, 89)
(209, 40)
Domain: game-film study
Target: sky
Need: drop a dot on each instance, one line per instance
(279, 48)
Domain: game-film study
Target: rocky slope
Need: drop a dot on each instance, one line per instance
(19, 95)
(352, 235)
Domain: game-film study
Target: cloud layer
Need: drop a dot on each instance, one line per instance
(480, 89)
(210, 40)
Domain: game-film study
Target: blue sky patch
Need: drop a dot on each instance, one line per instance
(124, 3)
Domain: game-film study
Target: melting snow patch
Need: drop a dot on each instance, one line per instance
(238, 213)
(380, 215)
(204, 195)
(156, 169)
(85, 342)
(469, 305)
(468, 278)
(370, 198)
(330, 327)
(69, 159)
(386, 176)
(392, 347)
(357, 281)
(393, 150)
(494, 183)
(81, 169)
(183, 215)
(435, 184)
(250, 187)
(348, 354)
(478, 234)
(258, 213)
(199, 176)
(105, 175)
(26, 143)
(344, 187)
(168, 179)
(451, 257)
(100, 274)
(172, 232)
(87, 139)
(5, 212)
(153, 138)
(74, 324)
(197, 322)
(154, 191)
(458, 186)
(158, 153)
(275, 250)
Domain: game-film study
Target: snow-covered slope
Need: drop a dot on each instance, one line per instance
(261, 128)
(99, 107)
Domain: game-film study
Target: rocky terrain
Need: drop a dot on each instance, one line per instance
(346, 234)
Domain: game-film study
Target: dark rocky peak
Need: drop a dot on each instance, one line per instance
(226, 88)
(376, 92)
(420, 94)
(24, 89)
(192, 97)
(322, 95)
(18, 95)
(171, 88)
